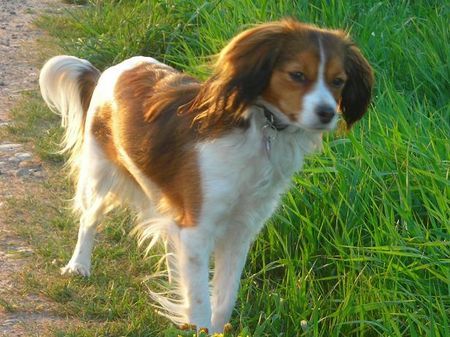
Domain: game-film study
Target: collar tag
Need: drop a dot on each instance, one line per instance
(269, 135)
(271, 120)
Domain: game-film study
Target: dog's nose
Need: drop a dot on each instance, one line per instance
(325, 113)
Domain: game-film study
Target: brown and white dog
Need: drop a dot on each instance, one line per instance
(202, 163)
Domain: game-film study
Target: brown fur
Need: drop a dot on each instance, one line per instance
(241, 74)
(286, 94)
(101, 129)
(87, 82)
(156, 137)
(358, 88)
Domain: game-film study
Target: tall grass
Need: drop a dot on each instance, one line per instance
(360, 245)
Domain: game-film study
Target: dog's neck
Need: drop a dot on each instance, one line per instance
(272, 120)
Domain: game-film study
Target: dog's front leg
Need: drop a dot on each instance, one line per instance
(193, 253)
(230, 254)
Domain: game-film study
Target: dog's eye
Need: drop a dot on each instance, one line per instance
(338, 82)
(298, 76)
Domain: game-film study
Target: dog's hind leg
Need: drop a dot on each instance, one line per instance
(97, 180)
(80, 263)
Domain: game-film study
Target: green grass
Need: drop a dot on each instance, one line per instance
(360, 245)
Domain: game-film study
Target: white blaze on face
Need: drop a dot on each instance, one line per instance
(319, 96)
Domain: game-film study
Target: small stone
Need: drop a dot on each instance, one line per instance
(11, 321)
(22, 172)
(26, 250)
(9, 147)
(23, 155)
(38, 174)
(36, 169)
(29, 164)
(13, 160)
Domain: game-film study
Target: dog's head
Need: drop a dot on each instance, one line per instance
(305, 74)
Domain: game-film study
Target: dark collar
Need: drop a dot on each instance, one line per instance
(272, 120)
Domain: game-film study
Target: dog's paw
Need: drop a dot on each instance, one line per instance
(75, 268)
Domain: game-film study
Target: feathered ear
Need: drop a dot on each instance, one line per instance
(246, 64)
(241, 74)
(358, 88)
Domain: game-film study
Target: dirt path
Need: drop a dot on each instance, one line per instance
(21, 313)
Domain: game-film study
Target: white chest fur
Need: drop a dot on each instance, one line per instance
(242, 180)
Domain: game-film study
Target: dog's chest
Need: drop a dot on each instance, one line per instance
(243, 179)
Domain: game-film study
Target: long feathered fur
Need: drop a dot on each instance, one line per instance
(67, 84)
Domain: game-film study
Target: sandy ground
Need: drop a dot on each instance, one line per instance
(21, 313)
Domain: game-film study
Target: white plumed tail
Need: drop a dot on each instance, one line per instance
(67, 84)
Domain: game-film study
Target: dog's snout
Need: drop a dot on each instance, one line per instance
(325, 113)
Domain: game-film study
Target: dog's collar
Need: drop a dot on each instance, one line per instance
(272, 120)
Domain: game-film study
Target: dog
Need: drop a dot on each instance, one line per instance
(203, 164)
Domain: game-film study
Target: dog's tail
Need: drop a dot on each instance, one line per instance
(67, 84)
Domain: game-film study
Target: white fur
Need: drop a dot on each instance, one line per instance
(104, 92)
(58, 81)
(319, 95)
(241, 186)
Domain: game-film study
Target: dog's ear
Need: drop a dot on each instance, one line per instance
(357, 91)
(245, 65)
(241, 73)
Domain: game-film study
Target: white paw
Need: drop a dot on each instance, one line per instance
(75, 268)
